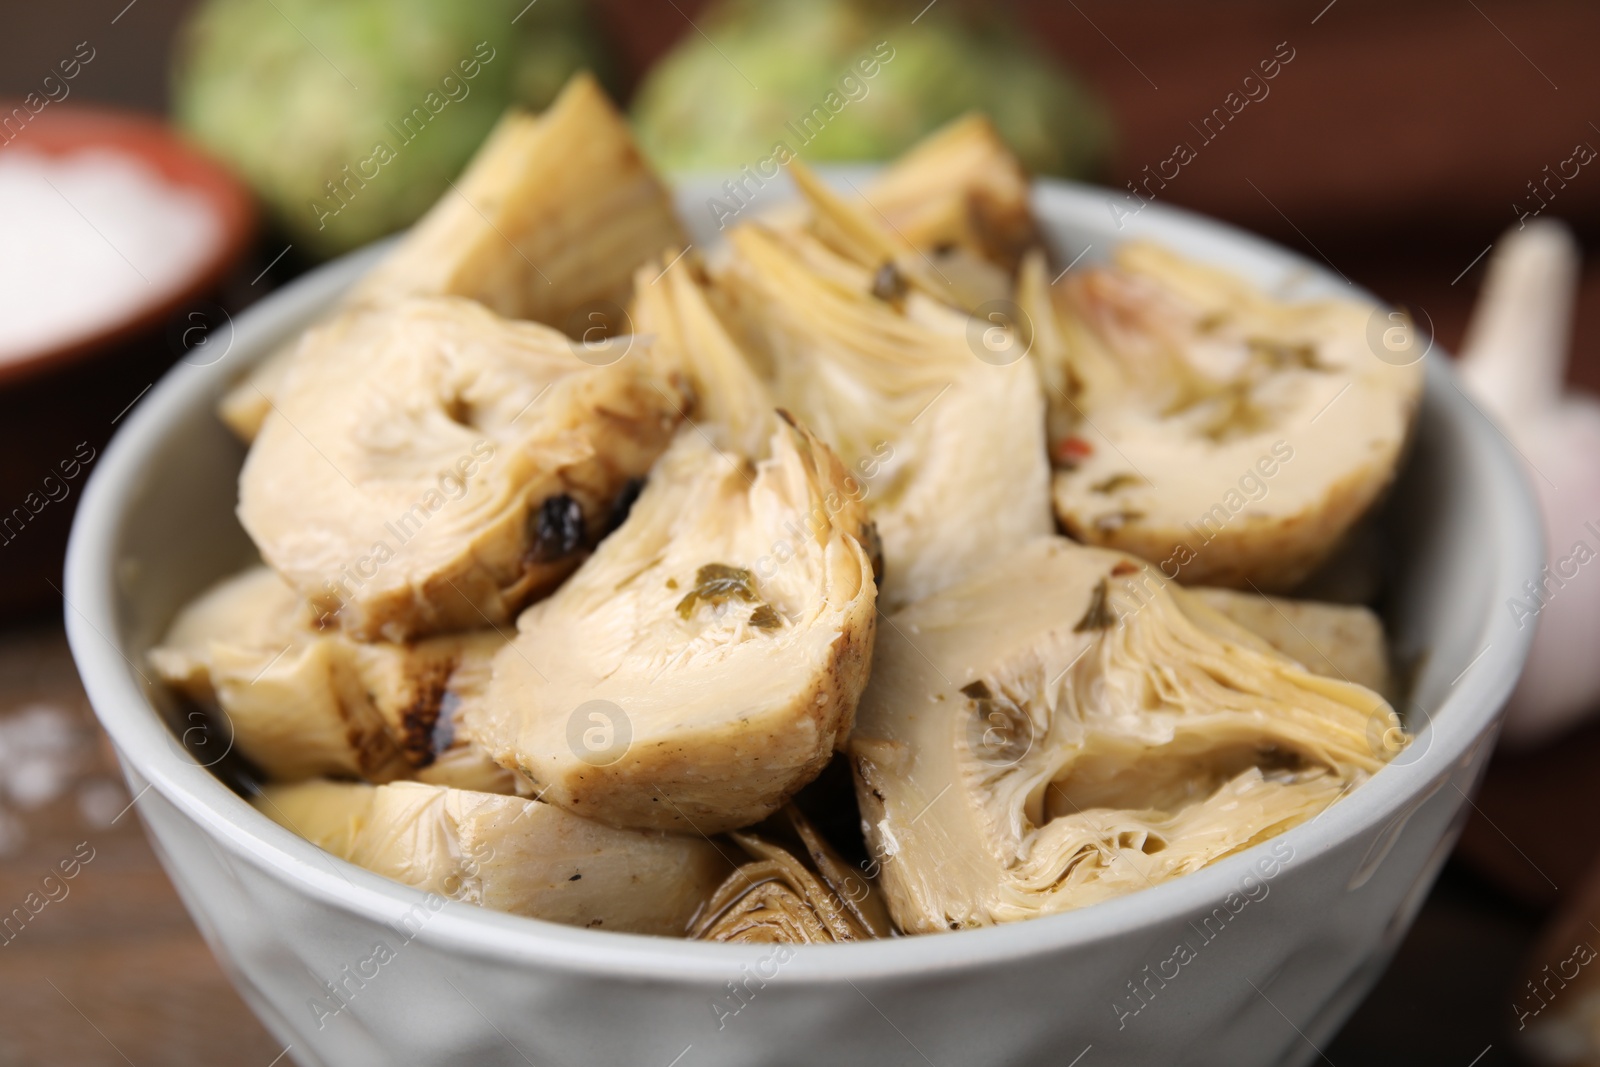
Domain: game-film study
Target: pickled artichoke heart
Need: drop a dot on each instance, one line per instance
(299, 700)
(961, 187)
(556, 213)
(856, 80)
(548, 223)
(432, 467)
(702, 665)
(1205, 426)
(731, 403)
(1333, 640)
(949, 447)
(778, 898)
(506, 853)
(1065, 727)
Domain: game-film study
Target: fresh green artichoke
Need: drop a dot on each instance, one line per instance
(556, 39)
(350, 117)
(870, 81)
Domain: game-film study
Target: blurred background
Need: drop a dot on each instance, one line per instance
(1394, 142)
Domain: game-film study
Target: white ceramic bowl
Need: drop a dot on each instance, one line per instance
(1267, 978)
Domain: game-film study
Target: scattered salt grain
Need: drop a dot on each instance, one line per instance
(37, 783)
(101, 801)
(88, 240)
(41, 754)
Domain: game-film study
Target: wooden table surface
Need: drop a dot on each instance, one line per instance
(1393, 147)
(111, 970)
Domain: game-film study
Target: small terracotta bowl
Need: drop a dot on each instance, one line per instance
(60, 404)
(63, 130)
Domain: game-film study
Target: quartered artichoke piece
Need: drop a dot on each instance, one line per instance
(548, 223)
(960, 188)
(949, 446)
(703, 664)
(556, 212)
(300, 700)
(778, 898)
(506, 853)
(1333, 640)
(1199, 423)
(1067, 726)
(433, 467)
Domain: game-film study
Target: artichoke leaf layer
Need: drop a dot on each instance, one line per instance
(1334, 640)
(778, 898)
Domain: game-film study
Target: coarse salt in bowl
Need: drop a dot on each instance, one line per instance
(91, 238)
(110, 223)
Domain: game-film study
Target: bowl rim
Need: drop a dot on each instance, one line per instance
(112, 681)
(67, 129)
